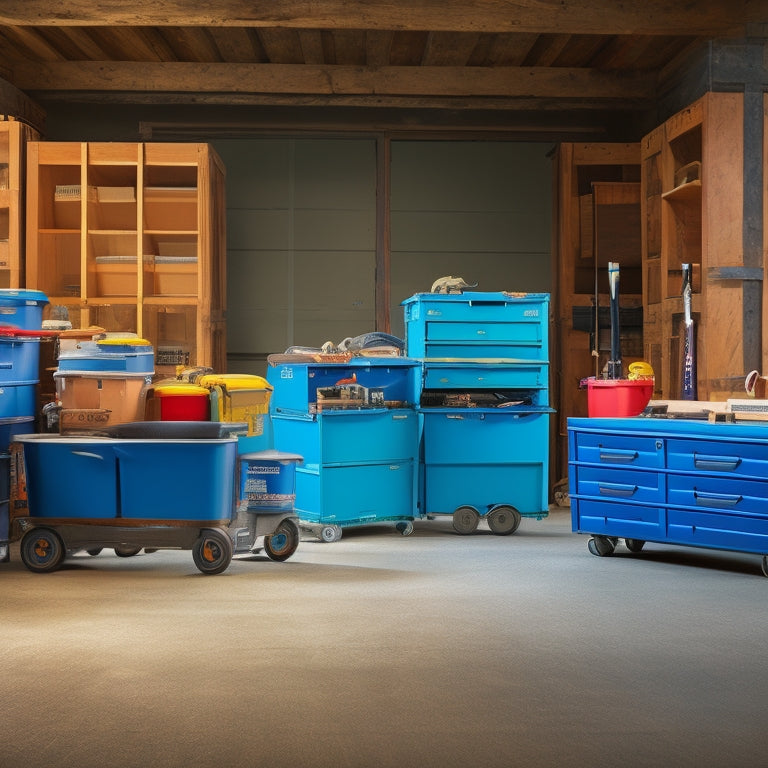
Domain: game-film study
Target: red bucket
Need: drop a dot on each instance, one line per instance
(618, 397)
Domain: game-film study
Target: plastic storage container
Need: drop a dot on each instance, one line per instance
(22, 308)
(109, 355)
(268, 480)
(239, 397)
(618, 397)
(178, 401)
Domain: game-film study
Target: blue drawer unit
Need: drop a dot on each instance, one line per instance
(484, 406)
(477, 325)
(356, 426)
(675, 481)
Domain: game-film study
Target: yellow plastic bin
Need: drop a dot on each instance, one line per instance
(239, 397)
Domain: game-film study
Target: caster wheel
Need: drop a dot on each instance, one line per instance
(42, 550)
(765, 565)
(127, 551)
(405, 528)
(634, 545)
(94, 552)
(601, 546)
(503, 520)
(281, 544)
(212, 552)
(465, 520)
(330, 533)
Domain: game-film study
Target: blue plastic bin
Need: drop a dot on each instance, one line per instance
(22, 308)
(268, 480)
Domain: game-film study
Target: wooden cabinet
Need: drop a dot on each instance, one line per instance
(14, 136)
(693, 201)
(597, 219)
(131, 237)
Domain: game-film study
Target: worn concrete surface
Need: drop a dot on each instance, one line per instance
(382, 650)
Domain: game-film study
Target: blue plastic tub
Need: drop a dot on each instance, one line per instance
(135, 480)
(92, 356)
(21, 308)
(19, 359)
(12, 426)
(268, 480)
(18, 400)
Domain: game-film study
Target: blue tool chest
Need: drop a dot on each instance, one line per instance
(483, 405)
(672, 481)
(356, 426)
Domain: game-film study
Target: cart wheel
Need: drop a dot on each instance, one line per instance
(330, 533)
(634, 545)
(93, 552)
(405, 527)
(212, 552)
(42, 550)
(281, 544)
(127, 551)
(601, 546)
(503, 520)
(765, 565)
(465, 520)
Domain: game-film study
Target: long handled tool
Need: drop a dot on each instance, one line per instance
(689, 391)
(614, 364)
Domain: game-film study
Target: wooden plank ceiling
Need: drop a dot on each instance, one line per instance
(482, 57)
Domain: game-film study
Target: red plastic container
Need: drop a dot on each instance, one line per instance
(618, 397)
(183, 402)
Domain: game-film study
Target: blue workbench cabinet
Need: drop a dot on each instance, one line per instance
(672, 481)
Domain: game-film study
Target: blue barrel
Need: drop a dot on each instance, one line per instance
(268, 480)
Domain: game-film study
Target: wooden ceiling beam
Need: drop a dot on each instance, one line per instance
(127, 76)
(601, 17)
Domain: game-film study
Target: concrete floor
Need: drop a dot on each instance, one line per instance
(381, 650)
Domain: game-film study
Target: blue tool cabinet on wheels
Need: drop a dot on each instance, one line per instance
(355, 425)
(483, 405)
(672, 481)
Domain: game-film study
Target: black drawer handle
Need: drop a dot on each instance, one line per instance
(716, 463)
(615, 489)
(618, 456)
(716, 499)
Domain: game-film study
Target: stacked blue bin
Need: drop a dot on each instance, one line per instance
(483, 404)
(21, 321)
(356, 426)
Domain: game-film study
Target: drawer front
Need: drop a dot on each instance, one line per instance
(729, 495)
(618, 450)
(520, 376)
(628, 521)
(472, 437)
(719, 531)
(476, 307)
(716, 456)
(479, 333)
(621, 484)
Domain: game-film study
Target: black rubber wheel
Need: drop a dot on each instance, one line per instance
(634, 545)
(601, 546)
(765, 565)
(42, 550)
(465, 520)
(405, 527)
(127, 551)
(212, 552)
(94, 552)
(281, 544)
(504, 520)
(330, 533)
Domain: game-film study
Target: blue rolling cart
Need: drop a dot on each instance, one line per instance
(671, 481)
(483, 406)
(356, 427)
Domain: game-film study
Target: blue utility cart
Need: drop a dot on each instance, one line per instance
(483, 406)
(673, 481)
(355, 425)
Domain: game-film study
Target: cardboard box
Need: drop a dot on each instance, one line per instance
(121, 395)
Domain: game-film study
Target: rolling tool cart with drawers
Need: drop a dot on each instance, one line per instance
(483, 405)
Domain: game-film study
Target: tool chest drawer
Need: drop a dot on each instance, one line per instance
(485, 376)
(616, 450)
(637, 521)
(621, 484)
(745, 459)
(707, 529)
(726, 494)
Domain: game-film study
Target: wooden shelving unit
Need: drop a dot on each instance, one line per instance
(692, 182)
(14, 136)
(598, 219)
(131, 237)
